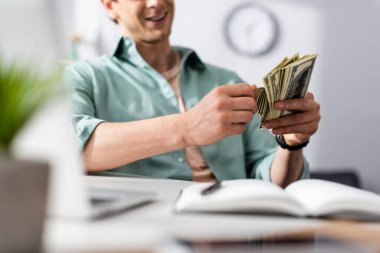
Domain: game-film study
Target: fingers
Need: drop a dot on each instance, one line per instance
(308, 128)
(236, 90)
(243, 104)
(236, 97)
(240, 117)
(299, 104)
(223, 112)
(292, 119)
(304, 122)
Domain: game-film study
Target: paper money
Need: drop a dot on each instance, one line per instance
(288, 80)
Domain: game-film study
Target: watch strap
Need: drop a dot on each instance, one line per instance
(282, 143)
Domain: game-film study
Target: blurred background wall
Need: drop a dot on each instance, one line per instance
(346, 79)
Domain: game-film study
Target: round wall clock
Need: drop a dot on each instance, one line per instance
(251, 30)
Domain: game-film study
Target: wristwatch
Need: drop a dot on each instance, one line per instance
(281, 141)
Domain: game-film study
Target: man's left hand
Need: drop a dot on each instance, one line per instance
(299, 126)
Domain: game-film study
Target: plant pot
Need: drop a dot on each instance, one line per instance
(23, 199)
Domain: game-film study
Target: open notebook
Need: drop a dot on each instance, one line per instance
(310, 197)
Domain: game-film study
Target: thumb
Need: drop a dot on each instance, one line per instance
(254, 87)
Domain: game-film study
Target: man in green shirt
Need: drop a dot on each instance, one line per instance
(156, 110)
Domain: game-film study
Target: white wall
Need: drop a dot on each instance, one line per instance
(346, 80)
(30, 37)
(88, 20)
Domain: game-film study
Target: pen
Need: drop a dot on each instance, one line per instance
(211, 188)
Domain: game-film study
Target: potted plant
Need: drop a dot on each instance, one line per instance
(23, 184)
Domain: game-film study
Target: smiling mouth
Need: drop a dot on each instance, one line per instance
(158, 17)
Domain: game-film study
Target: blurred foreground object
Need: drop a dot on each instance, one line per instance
(28, 60)
(23, 196)
(23, 183)
(22, 92)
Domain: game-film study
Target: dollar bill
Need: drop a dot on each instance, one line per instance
(299, 79)
(288, 80)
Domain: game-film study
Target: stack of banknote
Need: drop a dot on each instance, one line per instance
(288, 80)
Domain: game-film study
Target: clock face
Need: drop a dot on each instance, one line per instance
(251, 30)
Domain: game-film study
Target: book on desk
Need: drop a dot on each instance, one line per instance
(305, 198)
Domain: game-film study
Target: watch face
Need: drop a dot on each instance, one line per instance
(251, 30)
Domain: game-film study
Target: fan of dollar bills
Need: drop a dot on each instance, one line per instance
(288, 80)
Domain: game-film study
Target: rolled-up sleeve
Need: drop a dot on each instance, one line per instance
(78, 80)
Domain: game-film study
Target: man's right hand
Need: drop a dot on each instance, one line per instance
(223, 112)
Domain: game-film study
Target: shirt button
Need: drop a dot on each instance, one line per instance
(180, 159)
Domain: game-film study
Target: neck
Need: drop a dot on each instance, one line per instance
(159, 56)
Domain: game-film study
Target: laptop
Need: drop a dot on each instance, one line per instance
(49, 135)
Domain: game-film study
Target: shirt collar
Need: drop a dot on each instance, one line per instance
(126, 50)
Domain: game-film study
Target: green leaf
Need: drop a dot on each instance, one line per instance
(22, 91)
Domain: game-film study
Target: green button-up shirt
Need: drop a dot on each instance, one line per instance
(123, 87)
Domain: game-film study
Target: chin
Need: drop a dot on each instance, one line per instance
(156, 38)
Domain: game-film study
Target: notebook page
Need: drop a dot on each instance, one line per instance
(328, 198)
(245, 195)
